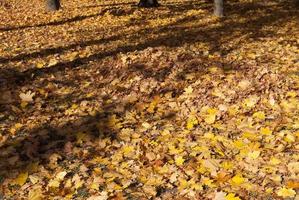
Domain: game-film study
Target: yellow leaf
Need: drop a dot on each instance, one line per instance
(40, 65)
(183, 184)
(289, 138)
(231, 196)
(292, 94)
(237, 180)
(227, 165)
(179, 161)
(214, 69)
(61, 175)
(146, 125)
(269, 190)
(21, 179)
(239, 144)
(52, 62)
(286, 192)
(191, 122)
(95, 186)
(216, 92)
(127, 150)
(15, 128)
(68, 183)
(113, 122)
(254, 154)
(212, 111)
(54, 183)
(208, 182)
(188, 90)
(250, 136)
(74, 106)
(24, 104)
(259, 115)
(274, 161)
(265, 131)
(233, 110)
(33, 179)
(35, 194)
(251, 101)
(153, 104)
(210, 115)
(210, 119)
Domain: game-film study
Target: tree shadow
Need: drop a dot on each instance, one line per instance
(58, 22)
(174, 35)
(109, 5)
(46, 140)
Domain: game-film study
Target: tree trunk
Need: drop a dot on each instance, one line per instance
(52, 5)
(218, 8)
(148, 3)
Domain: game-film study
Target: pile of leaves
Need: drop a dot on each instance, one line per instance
(104, 100)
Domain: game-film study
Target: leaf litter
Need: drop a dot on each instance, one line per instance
(109, 101)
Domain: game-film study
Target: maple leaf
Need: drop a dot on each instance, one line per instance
(210, 115)
(179, 160)
(191, 122)
(77, 181)
(286, 192)
(237, 180)
(274, 161)
(259, 115)
(188, 90)
(251, 101)
(27, 97)
(231, 196)
(265, 131)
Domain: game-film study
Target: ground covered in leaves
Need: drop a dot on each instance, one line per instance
(104, 100)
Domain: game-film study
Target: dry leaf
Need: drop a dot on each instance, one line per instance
(27, 97)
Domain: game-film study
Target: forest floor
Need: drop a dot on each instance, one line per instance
(105, 100)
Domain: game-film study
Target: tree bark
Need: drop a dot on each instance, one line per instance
(218, 8)
(148, 3)
(52, 5)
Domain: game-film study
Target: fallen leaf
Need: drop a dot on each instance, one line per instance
(232, 196)
(27, 97)
(286, 192)
(21, 179)
(179, 161)
(220, 196)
